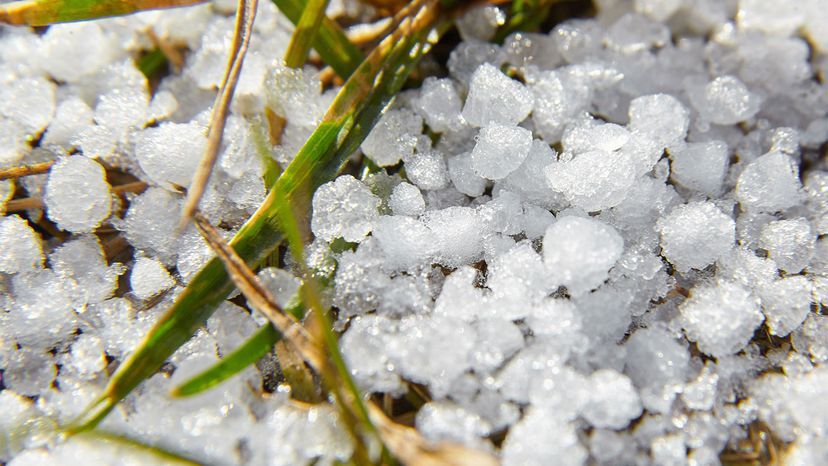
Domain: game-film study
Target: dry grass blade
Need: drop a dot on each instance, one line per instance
(258, 296)
(413, 450)
(245, 16)
(24, 170)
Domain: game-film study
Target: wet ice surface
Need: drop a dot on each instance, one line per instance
(603, 243)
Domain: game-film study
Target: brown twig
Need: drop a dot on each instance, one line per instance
(25, 170)
(27, 203)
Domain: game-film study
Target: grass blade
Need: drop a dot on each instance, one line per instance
(306, 29)
(248, 353)
(330, 42)
(245, 16)
(45, 12)
(353, 113)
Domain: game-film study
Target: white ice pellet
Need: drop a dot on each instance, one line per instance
(480, 24)
(613, 401)
(583, 138)
(790, 243)
(700, 393)
(420, 338)
(494, 98)
(593, 180)
(536, 220)
(157, 148)
(444, 420)
(695, 235)
(282, 284)
(518, 277)
(407, 242)
(82, 265)
(769, 184)
(724, 101)
(77, 49)
(700, 166)
(655, 359)
(13, 141)
(658, 10)
(497, 340)
(29, 102)
(500, 150)
(125, 107)
(88, 357)
(406, 199)
(20, 248)
(633, 33)
(541, 438)
(529, 180)
(96, 141)
(148, 278)
(459, 297)
(463, 176)
(771, 17)
(577, 39)
(457, 235)
(605, 313)
(659, 117)
(669, 450)
(555, 103)
(579, 252)
(162, 105)
(467, 57)
(77, 195)
(527, 50)
(29, 372)
(393, 137)
(152, 220)
(503, 214)
(427, 170)
(344, 208)
(720, 317)
(71, 116)
(805, 397)
(440, 105)
(786, 303)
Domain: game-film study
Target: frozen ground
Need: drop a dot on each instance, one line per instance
(609, 254)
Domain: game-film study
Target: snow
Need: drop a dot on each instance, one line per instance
(600, 244)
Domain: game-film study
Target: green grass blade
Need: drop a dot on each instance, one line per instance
(351, 116)
(303, 35)
(248, 353)
(330, 42)
(271, 170)
(526, 15)
(45, 12)
(151, 63)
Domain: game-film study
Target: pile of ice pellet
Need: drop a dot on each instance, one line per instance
(600, 245)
